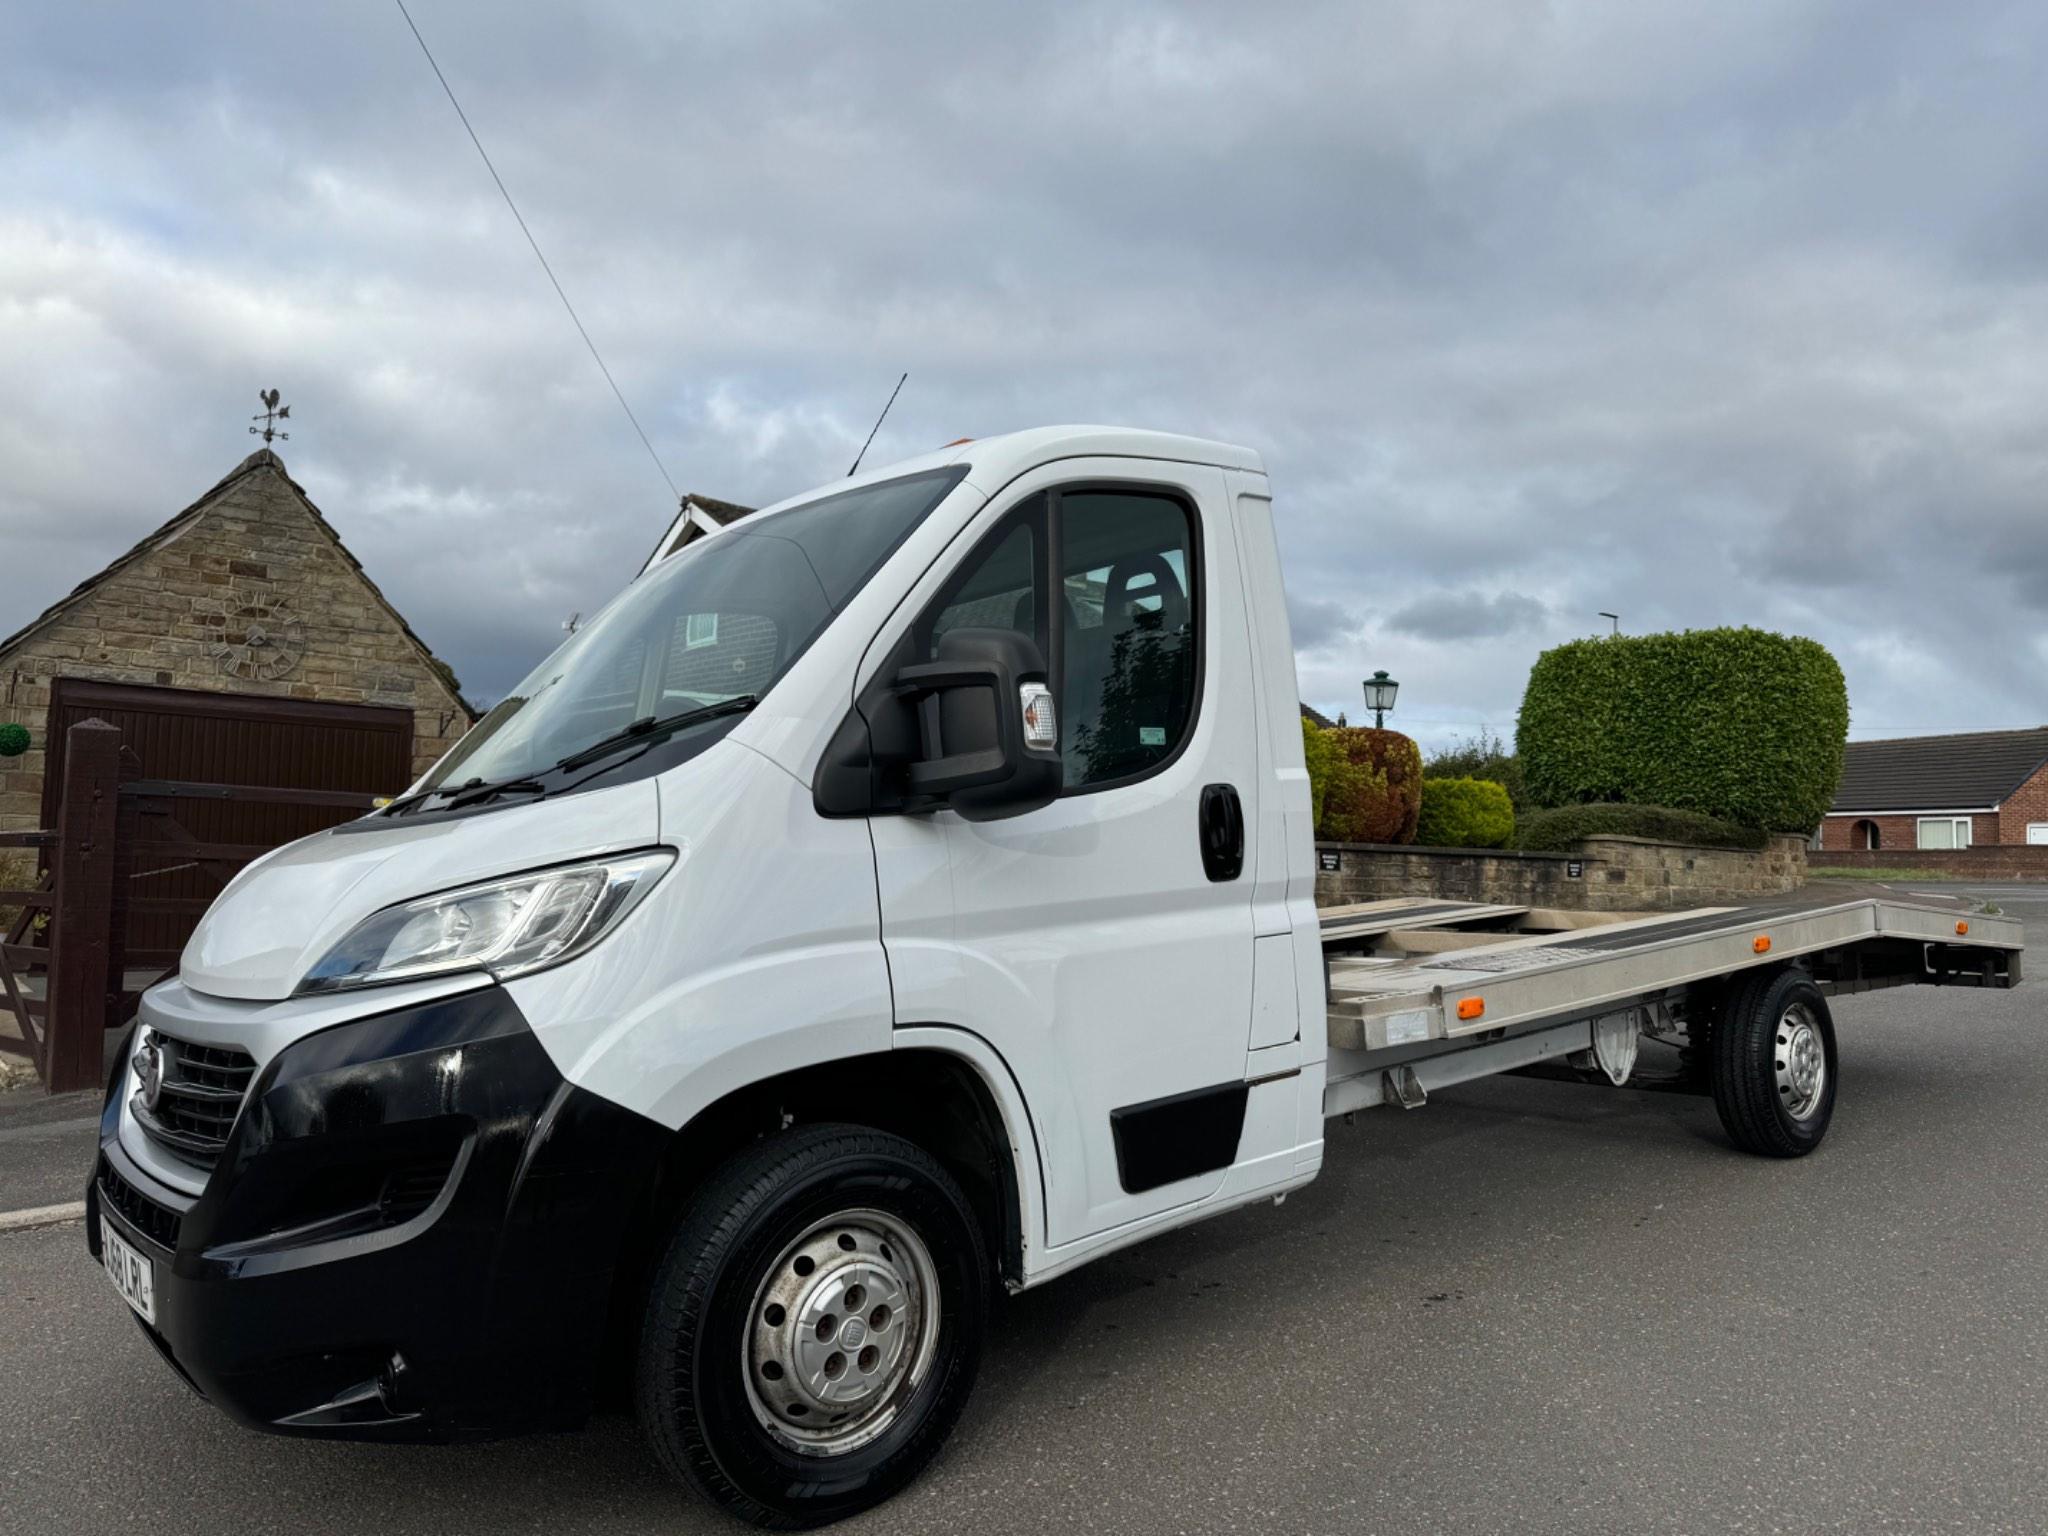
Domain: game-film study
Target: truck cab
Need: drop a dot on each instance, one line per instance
(905, 892)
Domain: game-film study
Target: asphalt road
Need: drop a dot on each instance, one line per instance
(1529, 1307)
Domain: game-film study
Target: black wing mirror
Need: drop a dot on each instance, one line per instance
(988, 742)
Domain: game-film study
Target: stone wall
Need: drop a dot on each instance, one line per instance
(1603, 874)
(252, 557)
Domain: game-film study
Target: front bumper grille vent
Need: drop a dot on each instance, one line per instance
(200, 1089)
(158, 1223)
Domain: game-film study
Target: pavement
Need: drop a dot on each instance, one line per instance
(1530, 1307)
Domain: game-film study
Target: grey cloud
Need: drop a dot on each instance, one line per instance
(1709, 314)
(1454, 615)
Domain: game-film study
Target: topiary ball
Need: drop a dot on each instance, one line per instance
(13, 739)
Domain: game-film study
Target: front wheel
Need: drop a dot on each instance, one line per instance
(813, 1332)
(1774, 1069)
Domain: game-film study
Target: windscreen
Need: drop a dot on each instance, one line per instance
(722, 620)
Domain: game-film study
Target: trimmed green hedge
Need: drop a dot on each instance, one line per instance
(1465, 813)
(1739, 724)
(1557, 830)
(1374, 792)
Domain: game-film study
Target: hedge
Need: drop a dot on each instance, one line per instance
(1465, 813)
(1325, 762)
(1738, 724)
(1557, 830)
(1375, 789)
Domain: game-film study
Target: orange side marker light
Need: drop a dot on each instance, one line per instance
(1471, 1007)
(1761, 943)
(1962, 928)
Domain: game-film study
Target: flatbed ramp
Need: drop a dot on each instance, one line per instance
(1368, 919)
(1853, 945)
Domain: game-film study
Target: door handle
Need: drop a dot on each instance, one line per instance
(1222, 832)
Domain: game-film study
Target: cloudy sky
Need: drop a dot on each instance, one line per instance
(1700, 313)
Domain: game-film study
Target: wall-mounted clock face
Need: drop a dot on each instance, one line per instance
(260, 637)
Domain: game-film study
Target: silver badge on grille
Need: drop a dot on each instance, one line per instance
(149, 1067)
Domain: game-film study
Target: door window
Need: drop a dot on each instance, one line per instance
(1128, 641)
(1130, 636)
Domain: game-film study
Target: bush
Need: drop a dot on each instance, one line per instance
(1483, 755)
(1465, 813)
(1738, 724)
(1556, 830)
(1375, 793)
(1325, 762)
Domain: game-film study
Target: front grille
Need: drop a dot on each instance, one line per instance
(199, 1093)
(158, 1223)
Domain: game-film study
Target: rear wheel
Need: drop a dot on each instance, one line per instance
(1774, 1066)
(813, 1332)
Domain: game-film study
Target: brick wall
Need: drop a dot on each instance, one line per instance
(2027, 803)
(1894, 833)
(161, 618)
(1995, 861)
(1614, 874)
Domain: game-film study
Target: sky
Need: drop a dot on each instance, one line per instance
(1700, 314)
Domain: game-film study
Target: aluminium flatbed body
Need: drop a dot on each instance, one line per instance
(1426, 994)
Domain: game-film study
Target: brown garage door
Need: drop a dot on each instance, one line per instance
(221, 738)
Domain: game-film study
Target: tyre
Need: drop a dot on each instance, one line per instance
(813, 1331)
(1773, 1065)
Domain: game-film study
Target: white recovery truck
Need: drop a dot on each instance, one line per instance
(905, 893)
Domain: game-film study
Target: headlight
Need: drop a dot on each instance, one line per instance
(508, 927)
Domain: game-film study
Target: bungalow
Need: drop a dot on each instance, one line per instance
(1987, 787)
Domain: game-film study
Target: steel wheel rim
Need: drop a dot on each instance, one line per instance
(1800, 1062)
(842, 1331)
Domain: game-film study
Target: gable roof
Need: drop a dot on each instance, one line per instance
(1317, 718)
(262, 460)
(1939, 773)
(695, 515)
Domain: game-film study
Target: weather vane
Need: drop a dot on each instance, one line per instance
(273, 413)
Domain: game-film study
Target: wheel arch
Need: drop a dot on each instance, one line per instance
(942, 1088)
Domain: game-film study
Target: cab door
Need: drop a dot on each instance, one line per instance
(1103, 943)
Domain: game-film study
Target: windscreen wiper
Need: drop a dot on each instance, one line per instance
(651, 728)
(470, 792)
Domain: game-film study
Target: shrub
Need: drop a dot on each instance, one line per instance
(1738, 724)
(1376, 792)
(1483, 755)
(1319, 748)
(1465, 813)
(1555, 830)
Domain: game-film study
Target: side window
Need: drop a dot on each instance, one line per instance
(1130, 633)
(997, 587)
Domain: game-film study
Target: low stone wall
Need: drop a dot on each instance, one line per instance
(2001, 861)
(1602, 874)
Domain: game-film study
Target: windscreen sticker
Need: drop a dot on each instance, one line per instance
(1151, 735)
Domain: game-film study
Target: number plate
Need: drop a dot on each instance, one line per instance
(133, 1275)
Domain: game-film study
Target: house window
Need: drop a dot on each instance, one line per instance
(1944, 831)
(1863, 834)
(2037, 832)
(700, 629)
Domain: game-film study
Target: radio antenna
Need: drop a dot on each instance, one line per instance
(876, 428)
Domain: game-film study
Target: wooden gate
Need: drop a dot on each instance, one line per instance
(144, 832)
(219, 740)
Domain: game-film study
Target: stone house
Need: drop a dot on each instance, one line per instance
(1980, 789)
(248, 592)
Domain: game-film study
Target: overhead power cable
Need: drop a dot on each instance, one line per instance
(503, 192)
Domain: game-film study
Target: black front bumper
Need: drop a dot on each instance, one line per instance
(412, 1233)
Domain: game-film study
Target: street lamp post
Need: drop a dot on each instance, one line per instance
(1379, 697)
